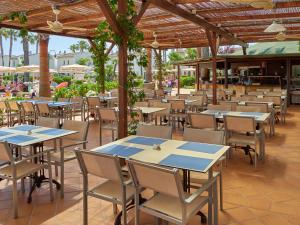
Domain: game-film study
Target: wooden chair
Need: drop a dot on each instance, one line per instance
(159, 94)
(202, 121)
(164, 132)
(248, 98)
(141, 104)
(178, 112)
(163, 115)
(108, 120)
(241, 131)
(231, 103)
(29, 113)
(114, 189)
(4, 117)
(210, 137)
(169, 201)
(20, 169)
(44, 110)
(14, 113)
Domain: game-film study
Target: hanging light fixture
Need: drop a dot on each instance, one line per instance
(275, 28)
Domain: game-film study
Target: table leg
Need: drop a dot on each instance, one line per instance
(210, 197)
(62, 166)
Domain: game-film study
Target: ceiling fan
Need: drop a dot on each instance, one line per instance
(275, 27)
(57, 26)
(155, 44)
(258, 4)
(281, 36)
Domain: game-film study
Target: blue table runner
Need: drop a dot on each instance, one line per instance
(200, 147)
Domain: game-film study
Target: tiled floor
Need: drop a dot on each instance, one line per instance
(267, 195)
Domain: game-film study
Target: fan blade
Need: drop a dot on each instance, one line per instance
(293, 37)
(50, 23)
(74, 28)
(166, 44)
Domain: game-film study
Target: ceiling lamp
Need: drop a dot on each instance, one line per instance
(275, 28)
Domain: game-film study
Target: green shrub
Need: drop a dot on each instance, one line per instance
(187, 81)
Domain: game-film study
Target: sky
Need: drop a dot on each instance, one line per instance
(56, 44)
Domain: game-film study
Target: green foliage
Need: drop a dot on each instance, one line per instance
(22, 18)
(109, 85)
(191, 53)
(175, 57)
(187, 81)
(59, 79)
(83, 61)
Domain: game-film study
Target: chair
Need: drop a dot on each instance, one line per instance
(163, 115)
(63, 99)
(16, 170)
(4, 113)
(75, 141)
(44, 110)
(78, 108)
(183, 96)
(108, 120)
(159, 94)
(200, 103)
(169, 202)
(114, 189)
(202, 121)
(248, 98)
(178, 112)
(219, 107)
(141, 104)
(47, 122)
(241, 131)
(210, 137)
(14, 112)
(93, 103)
(29, 112)
(255, 93)
(264, 90)
(279, 106)
(246, 108)
(231, 103)
(164, 132)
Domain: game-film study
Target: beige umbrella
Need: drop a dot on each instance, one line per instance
(75, 68)
(29, 68)
(38, 71)
(5, 69)
(189, 69)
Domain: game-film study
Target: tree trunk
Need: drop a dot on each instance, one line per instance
(1, 49)
(10, 48)
(44, 66)
(37, 46)
(102, 79)
(149, 65)
(159, 73)
(26, 56)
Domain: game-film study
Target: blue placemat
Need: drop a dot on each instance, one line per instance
(4, 133)
(18, 139)
(120, 150)
(256, 114)
(25, 127)
(186, 162)
(200, 147)
(146, 141)
(59, 103)
(52, 131)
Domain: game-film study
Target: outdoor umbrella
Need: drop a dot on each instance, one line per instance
(29, 68)
(62, 85)
(75, 68)
(5, 69)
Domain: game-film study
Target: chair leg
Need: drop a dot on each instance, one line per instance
(124, 215)
(15, 199)
(221, 191)
(23, 185)
(56, 170)
(50, 178)
(115, 209)
(215, 203)
(137, 213)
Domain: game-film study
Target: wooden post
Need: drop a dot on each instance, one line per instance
(197, 77)
(244, 50)
(44, 84)
(226, 73)
(212, 40)
(149, 65)
(288, 80)
(178, 79)
(123, 72)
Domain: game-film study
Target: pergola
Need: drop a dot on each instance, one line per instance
(178, 24)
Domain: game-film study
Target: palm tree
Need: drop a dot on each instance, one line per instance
(82, 45)
(73, 48)
(3, 33)
(13, 34)
(26, 40)
(36, 41)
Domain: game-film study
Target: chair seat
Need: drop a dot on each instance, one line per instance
(68, 155)
(22, 169)
(241, 139)
(111, 189)
(172, 205)
(109, 126)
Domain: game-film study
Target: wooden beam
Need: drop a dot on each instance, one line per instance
(112, 45)
(244, 50)
(226, 73)
(123, 73)
(197, 77)
(110, 17)
(165, 5)
(178, 79)
(212, 40)
(143, 9)
(44, 84)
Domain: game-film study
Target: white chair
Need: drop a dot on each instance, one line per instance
(114, 189)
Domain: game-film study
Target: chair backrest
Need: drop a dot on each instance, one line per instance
(177, 105)
(204, 136)
(274, 94)
(261, 106)
(247, 108)
(141, 104)
(219, 107)
(248, 98)
(106, 114)
(183, 96)
(202, 121)
(81, 126)
(5, 152)
(93, 102)
(275, 99)
(47, 122)
(164, 132)
(3, 106)
(13, 105)
(239, 124)
(277, 89)
(153, 102)
(171, 97)
(158, 179)
(28, 107)
(255, 93)
(138, 115)
(232, 104)
(159, 93)
(100, 165)
(43, 108)
(79, 102)
(63, 99)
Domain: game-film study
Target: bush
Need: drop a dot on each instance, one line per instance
(109, 85)
(187, 81)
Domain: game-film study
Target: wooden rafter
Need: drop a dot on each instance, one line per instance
(144, 6)
(195, 19)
